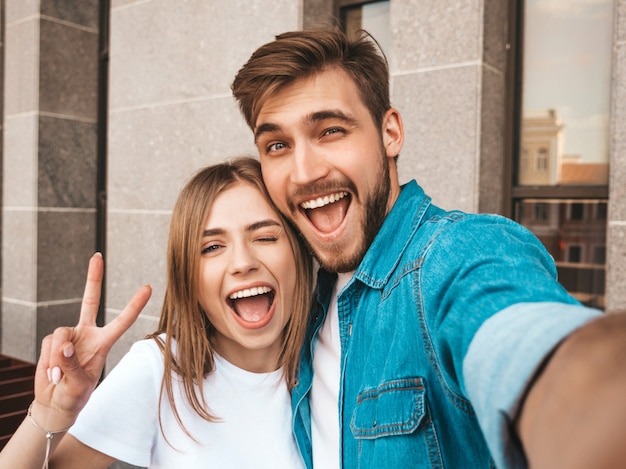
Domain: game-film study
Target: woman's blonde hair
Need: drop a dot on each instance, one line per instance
(190, 357)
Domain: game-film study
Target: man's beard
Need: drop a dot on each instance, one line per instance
(374, 216)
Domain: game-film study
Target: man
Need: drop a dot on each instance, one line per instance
(440, 339)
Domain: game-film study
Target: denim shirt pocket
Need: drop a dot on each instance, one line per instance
(393, 408)
(392, 428)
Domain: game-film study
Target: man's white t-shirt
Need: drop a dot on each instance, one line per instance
(325, 388)
(254, 410)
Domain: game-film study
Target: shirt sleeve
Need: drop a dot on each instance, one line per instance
(501, 362)
(121, 417)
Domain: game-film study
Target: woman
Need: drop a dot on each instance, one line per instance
(211, 386)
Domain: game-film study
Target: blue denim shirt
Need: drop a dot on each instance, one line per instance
(442, 326)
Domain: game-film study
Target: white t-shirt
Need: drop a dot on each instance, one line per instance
(122, 420)
(325, 387)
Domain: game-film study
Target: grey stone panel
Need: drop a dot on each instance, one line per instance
(154, 151)
(135, 256)
(20, 62)
(492, 120)
(16, 10)
(434, 33)
(20, 161)
(440, 114)
(51, 316)
(19, 231)
(82, 12)
(18, 330)
(495, 33)
(617, 183)
(164, 51)
(115, 4)
(65, 243)
(318, 13)
(68, 72)
(67, 163)
(616, 268)
(620, 10)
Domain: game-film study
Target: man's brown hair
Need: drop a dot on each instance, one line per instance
(300, 54)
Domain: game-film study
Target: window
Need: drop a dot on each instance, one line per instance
(575, 211)
(562, 103)
(574, 253)
(599, 255)
(542, 160)
(541, 212)
(371, 16)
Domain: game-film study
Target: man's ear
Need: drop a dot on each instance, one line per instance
(392, 133)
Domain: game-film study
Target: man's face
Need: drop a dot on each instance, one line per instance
(327, 165)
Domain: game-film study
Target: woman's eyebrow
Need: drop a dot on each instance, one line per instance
(251, 227)
(262, 224)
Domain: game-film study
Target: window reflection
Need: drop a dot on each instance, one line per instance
(574, 233)
(566, 92)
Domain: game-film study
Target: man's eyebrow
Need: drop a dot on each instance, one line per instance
(251, 227)
(264, 128)
(311, 118)
(330, 114)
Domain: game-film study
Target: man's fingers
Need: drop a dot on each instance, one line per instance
(129, 314)
(93, 287)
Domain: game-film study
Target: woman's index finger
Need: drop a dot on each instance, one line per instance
(93, 288)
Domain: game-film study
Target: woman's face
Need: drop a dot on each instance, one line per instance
(247, 277)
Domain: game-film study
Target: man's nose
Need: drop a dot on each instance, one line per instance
(309, 165)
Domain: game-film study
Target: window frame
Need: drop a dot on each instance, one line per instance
(517, 193)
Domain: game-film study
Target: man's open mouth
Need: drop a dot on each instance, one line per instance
(327, 213)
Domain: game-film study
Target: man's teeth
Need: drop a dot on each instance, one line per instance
(321, 201)
(250, 292)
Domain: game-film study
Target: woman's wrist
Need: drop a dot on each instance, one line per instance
(50, 420)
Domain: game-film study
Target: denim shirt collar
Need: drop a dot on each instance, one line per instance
(394, 236)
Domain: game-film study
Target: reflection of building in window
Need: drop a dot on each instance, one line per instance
(577, 173)
(542, 162)
(576, 211)
(574, 233)
(599, 254)
(600, 212)
(524, 161)
(574, 253)
(542, 144)
(541, 213)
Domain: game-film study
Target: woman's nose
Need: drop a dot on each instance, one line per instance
(243, 259)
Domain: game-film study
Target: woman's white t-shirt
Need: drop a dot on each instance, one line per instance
(121, 418)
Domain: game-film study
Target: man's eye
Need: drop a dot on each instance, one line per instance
(333, 130)
(276, 146)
